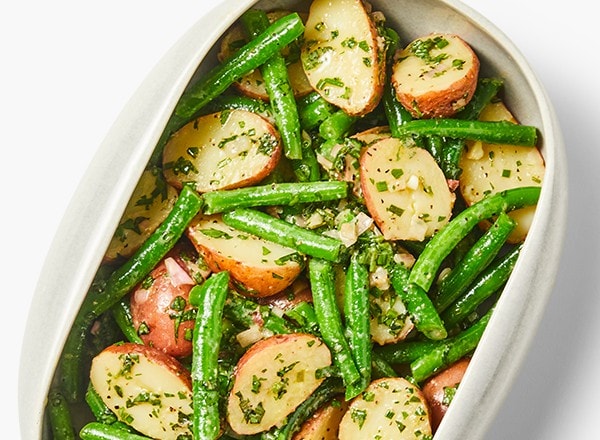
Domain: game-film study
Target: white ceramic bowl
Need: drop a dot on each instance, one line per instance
(106, 187)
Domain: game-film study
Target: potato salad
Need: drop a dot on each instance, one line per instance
(316, 245)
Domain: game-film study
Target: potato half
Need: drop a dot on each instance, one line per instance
(342, 55)
(272, 378)
(491, 168)
(435, 76)
(253, 84)
(258, 267)
(390, 408)
(149, 205)
(224, 150)
(405, 190)
(146, 389)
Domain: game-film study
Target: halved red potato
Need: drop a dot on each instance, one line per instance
(160, 309)
(343, 56)
(491, 168)
(405, 190)
(390, 408)
(148, 207)
(257, 267)
(324, 424)
(223, 150)
(146, 389)
(253, 84)
(272, 378)
(435, 76)
(439, 390)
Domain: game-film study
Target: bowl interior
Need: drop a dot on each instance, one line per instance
(511, 329)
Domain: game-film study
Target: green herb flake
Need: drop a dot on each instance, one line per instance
(215, 233)
(252, 415)
(256, 383)
(381, 186)
(397, 173)
(395, 210)
(358, 416)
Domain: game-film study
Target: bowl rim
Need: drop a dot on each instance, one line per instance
(140, 125)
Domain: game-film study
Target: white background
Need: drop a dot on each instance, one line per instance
(68, 67)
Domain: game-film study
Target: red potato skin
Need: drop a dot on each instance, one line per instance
(151, 308)
(156, 356)
(433, 389)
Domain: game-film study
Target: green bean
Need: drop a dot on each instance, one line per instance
(308, 99)
(286, 234)
(101, 412)
(358, 330)
(490, 281)
(395, 112)
(435, 146)
(59, 415)
(279, 89)
(125, 278)
(487, 89)
(492, 132)
(449, 351)
(236, 102)
(322, 283)
(337, 125)
(274, 194)
(442, 243)
(405, 351)
(122, 281)
(477, 258)
(422, 312)
(100, 431)
(329, 389)
(253, 54)
(206, 341)
(380, 367)
(307, 169)
(314, 113)
(303, 314)
(452, 150)
(122, 315)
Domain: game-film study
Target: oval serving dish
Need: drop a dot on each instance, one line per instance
(87, 228)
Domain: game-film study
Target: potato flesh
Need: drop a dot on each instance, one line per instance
(389, 319)
(253, 84)
(149, 205)
(263, 268)
(223, 150)
(272, 378)
(341, 55)
(145, 389)
(390, 408)
(491, 168)
(405, 190)
(435, 80)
